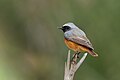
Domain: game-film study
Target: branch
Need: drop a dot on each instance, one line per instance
(72, 66)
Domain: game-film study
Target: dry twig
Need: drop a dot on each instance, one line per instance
(72, 66)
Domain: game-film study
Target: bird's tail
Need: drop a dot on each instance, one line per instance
(91, 52)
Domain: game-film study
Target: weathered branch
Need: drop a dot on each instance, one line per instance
(71, 66)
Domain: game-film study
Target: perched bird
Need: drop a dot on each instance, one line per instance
(76, 39)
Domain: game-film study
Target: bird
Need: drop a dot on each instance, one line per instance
(76, 39)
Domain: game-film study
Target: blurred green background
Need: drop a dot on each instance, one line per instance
(32, 48)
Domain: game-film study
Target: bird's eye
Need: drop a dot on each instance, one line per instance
(65, 28)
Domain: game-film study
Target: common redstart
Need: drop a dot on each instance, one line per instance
(76, 39)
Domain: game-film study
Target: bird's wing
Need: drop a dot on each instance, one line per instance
(81, 41)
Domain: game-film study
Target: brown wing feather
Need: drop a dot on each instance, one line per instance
(81, 41)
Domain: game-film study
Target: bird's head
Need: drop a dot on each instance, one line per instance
(67, 27)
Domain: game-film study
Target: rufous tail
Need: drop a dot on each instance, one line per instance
(91, 52)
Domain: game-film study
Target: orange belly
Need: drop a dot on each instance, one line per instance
(75, 47)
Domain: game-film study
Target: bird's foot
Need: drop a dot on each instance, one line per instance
(75, 57)
(78, 55)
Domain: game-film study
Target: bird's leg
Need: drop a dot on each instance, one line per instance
(78, 53)
(75, 57)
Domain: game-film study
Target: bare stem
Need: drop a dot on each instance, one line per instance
(72, 66)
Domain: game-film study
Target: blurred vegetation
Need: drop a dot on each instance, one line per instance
(32, 48)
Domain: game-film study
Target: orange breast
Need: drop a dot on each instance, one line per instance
(75, 47)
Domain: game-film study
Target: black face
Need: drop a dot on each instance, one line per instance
(66, 28)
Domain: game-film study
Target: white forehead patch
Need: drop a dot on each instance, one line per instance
(70, 25)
